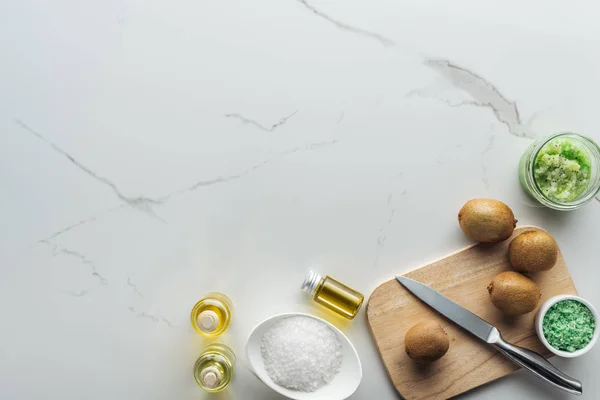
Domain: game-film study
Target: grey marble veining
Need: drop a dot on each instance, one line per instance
(57, 251)
(347, 27)
(484, 94)
(157, 151)
(260, 126)
(141, 203)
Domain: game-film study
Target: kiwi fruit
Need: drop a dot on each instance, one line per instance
(487, 220)
(533, 251)
(426, 342)
(514, 293)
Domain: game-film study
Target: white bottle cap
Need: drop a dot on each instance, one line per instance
(211, 377)
(208, 321)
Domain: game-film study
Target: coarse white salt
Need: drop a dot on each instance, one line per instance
(301, 353)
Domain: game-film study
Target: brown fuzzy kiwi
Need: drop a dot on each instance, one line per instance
(426, 342)
(487, 220)
(533, 251)
(514, 293)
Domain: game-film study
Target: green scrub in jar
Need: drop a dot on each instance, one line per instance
(562, 169)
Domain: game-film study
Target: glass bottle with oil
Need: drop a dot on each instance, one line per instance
(333, 294)
(213, 370)
(211, 316)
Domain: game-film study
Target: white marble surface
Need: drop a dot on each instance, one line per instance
(156, 150)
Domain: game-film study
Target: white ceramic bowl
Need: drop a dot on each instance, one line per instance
(343, 385)
(539, 319)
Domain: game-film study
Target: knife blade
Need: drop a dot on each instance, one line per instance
(528, 359)
(450, 309)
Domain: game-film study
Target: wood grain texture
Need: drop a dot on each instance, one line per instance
(463, 277)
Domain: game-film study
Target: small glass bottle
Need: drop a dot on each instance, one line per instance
(333, 294)
(211, 316)
(213, 370)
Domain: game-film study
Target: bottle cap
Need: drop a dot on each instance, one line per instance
(311, 282)
(211, 377)
(208, 321)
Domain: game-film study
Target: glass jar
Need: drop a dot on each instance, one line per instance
(211, 316)
(582, 150)
(213, 371)
(333, 294)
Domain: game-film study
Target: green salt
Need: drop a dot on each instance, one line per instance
(568, 325)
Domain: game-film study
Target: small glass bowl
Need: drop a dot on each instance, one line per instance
(526, 167)
(539, 320)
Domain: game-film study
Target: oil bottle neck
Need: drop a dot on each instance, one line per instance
(311, 282)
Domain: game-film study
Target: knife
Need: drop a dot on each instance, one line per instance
(530, 360)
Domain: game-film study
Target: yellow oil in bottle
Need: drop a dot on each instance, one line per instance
(333, 294)
(214, 368)
(211, 316)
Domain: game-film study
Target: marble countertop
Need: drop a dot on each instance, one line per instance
(153, 151)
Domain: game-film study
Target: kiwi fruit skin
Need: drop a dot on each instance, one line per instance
(514, 293)
(533, 251)
(426, 342)
(487, 220)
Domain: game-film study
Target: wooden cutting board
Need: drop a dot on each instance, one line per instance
(463, 277)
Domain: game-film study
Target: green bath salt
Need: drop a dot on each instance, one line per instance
(568, 325)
